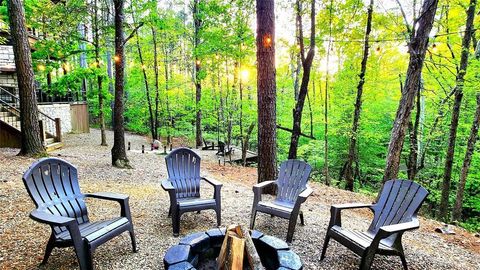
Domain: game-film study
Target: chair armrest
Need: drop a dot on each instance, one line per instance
(109, 196)
(401, 227)
(351, 206)
(50, 219)
(167, 185)
(306, 192)
(212, 182)
(263, 184)
(122, 199)
(335, 212)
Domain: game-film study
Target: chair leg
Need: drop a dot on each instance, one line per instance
(219, 216)
(291, 227)
(252, 219)
(49, 249)
(404, 261)
(176, 222)
(132, 238)
(325, 245)
(84, 256)
(302, 220)
(367, 260)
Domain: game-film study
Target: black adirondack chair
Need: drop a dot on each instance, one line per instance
(207, 145)
(183, 186)
(394, 213)
(52, 184)
(292, 191)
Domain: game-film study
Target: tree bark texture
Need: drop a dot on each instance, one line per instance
(266, 94)
(417, 48)
(119, 155)
(31, 137)
(412, 163)
(460, 79)
(198, 68)
(472, 139)
(157, 87)
(352, 149)
(307, 66)
(101, 98)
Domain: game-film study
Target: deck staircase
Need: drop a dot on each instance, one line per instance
(10, 116)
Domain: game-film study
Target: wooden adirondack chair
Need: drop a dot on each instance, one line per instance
(394, 213)
(183, 186)
(52, 184)
(292, 191)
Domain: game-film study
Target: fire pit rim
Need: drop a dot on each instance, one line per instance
(185, 254)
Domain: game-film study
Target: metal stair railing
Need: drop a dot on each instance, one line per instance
(11, 103)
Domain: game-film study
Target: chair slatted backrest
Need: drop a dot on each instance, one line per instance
(399, 202)
(292, 179)
(52, 184)
(183, 167)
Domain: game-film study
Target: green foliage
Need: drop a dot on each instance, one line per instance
(228, 76)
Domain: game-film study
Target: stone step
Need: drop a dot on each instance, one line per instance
(49, 141)
(54, 146)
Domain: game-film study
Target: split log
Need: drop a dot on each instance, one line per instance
(236, 247)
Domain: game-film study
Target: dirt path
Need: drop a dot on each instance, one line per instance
(22, 240)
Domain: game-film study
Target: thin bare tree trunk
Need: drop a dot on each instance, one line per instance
(101, 114)
(352, 149)
(417, 47)
(157, 88)
(266, 94)
(327, 86)
(307, 66)
(472, 139)
(198, 68)
(462, 70)
(31, 137)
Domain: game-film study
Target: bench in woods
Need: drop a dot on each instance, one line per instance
(394, 213)
(183, 186)
(52, 184)
(292, 192)
(207, 145)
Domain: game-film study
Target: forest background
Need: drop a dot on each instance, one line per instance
(186, 59)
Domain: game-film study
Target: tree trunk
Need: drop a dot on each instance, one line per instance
(245, 140)
(198, 82)
(462, 70)
(412, 163)
(145, 81)
(147, 89)
(96, 43)
(266, 94)
(31, 137)
(352, 149)
(119, 155)
(417, 48)
(472, 139)
(307, 66)
(157, 88)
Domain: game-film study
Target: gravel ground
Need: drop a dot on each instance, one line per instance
(22, 241)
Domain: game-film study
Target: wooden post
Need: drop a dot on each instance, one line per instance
(143, 149)
(171, 147)
(58, 129)
(42, 131)
(165, 149)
